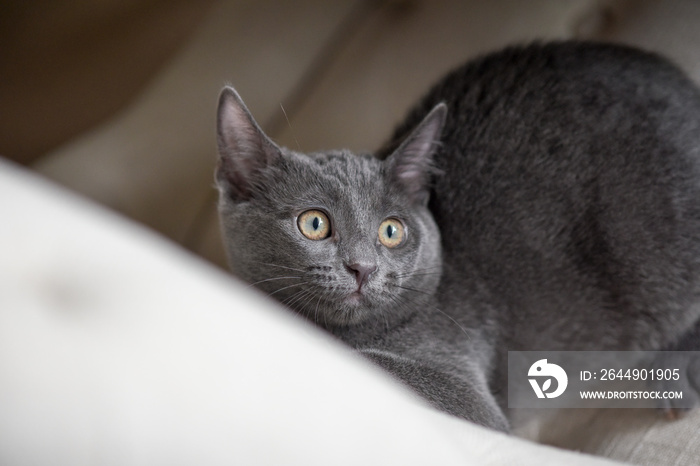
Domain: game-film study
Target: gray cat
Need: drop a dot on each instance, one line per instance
(541, 198)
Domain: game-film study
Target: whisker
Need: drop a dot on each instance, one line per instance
(384, 315)
(325, 319)
(288, 299)
(298, 297)
(290, 126)
(411, 289)
(316, 311)
(271, 279)
(298, 310)
(401, 305)
(280, 266)
(469, 337)
(285, 287)
(426, 269)
(309, 299)
(436, 308)
(417, 274)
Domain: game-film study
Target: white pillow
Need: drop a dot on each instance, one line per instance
(117, 347)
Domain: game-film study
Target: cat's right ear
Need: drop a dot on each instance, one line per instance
(244, 149)
(411, 164)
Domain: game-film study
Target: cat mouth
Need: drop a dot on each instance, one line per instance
(357, 298)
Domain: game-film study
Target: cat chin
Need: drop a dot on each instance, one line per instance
(353, 310)
(337, 318)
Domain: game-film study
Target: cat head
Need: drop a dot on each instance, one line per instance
(338, 237)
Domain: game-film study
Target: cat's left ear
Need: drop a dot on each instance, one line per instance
(244, 149)
(411, 165)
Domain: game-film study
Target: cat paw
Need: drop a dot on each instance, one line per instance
(459, 393)
(687, 365)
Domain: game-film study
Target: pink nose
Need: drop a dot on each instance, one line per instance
(362, 273)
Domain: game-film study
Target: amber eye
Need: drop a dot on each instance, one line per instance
(314, 224)
(391, 233)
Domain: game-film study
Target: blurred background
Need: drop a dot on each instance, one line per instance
(116, 99)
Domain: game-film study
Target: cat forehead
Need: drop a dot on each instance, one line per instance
(331, 178)
(336, 169)
(347, 165)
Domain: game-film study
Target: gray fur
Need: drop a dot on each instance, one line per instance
(564, 180)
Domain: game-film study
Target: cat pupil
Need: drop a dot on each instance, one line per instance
(390, 230)
(316, 223)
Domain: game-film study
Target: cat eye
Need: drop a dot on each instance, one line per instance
(392, 233)
(314, 224)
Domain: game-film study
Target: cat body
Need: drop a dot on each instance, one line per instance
(539, 198)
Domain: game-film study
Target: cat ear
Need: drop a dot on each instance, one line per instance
(411, 165)
(244, 149)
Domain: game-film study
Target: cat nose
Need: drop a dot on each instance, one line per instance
(362, 272)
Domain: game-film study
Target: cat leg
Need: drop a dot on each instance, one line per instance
(463, 393)
(689, 374)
